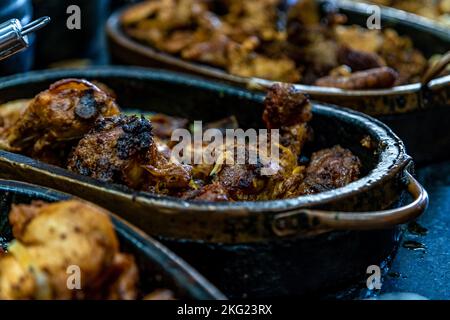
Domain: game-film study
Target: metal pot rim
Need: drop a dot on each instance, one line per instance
(392, 159)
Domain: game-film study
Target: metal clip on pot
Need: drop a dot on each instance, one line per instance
(301, 220)
(13, 36)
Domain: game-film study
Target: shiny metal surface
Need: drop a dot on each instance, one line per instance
(13, 36)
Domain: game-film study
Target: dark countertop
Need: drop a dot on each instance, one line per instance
(426, 271)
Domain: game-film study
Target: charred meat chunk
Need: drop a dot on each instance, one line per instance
(121, 149)
(114, 150)
(285, 106)
(213, 192)
(288, 110)
(378, 78)
(56, 119)
(330, 169)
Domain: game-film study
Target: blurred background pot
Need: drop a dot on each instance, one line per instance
(23, 11)
(60, 45)
(402, 108)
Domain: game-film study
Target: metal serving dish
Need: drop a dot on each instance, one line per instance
(400, 107)
(158, 267)
(253, 249)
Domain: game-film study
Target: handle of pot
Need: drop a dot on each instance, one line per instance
(436, 69)
(291, 223)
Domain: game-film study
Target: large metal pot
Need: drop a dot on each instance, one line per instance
(158, 267)
(400, 107)
(269, 248)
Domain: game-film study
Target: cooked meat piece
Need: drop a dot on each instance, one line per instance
(165, 176)
(359, 60)
(213, 51)
(115, 151)
(287, 185)
(330, 169)
(305, 13)
(271, 39)
(164, 14)
(254, 18)
(399, 54)
(288, 110)
(359, 38)
(56, 119)
(243, 182)
(52, 238)
(285, 106)
(121, 150)
(256, 65)
(378, 78)
(213, 192)
(122, 278)
(11, 111)
(163, 125)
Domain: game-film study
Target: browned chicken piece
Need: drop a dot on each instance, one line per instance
(122, 279)
(10, 112)
(114, 151)
(315, 49)
(330, 169)
(242, 182)
(399, 54)
(50, 239)
(213, 192)
(56, 119)
(359, 60)
(359, 38)
(168, 25)
(213, 51)
(164, 14)
(164, 125)
(377, 78)
(250, 64)
(304, 12)
(165, 176)
(288, 110)
(392, 50)
(254, 18)
(272, 39)
(121, 150)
